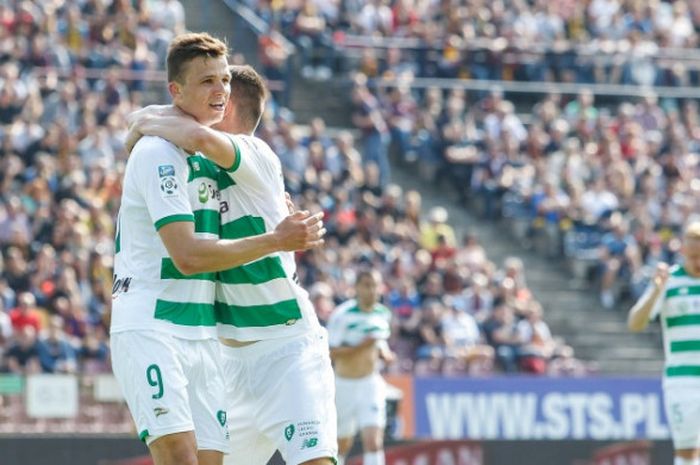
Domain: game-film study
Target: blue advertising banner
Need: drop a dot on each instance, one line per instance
(540, 408)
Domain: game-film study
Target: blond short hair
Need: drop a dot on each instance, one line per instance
(692, 231)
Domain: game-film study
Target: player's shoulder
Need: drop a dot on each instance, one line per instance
(147, 143)
(677, 271)
(346, 307)
(382, 310)
(150, 148)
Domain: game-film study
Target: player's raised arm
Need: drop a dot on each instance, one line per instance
(638, 317)
(167, 122)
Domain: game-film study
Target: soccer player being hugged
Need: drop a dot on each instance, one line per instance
(358, 333)
(674, 296)
(276, 362)
(165, 352)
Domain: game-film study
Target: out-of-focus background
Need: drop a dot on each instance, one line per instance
(515, 169)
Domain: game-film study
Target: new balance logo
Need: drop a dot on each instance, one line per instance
(309, 443)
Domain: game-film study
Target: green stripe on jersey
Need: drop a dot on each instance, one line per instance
(378, 308)
(118, 242)
(168, 270)
(237, 151)
(682, 291)
(259, 272)
(224, 180)
(206, 221)
(186, 314)
(280, 313)
(201, 167)
(172, 219)
(678, 272)
(683, 370)
(685, 346)
(244, 226)
(683, 320)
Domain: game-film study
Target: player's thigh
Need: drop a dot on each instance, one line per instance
(207, 394)
(249, 447)
(372, 406)
(149, 369)
(346, 401)
(298, 413)
(683, 413)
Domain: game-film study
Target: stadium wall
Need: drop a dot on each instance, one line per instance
(90, 450)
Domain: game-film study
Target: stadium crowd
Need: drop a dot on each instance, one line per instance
(62, 125)
(608, 187)
(604, 41)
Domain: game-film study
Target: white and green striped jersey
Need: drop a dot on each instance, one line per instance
(349, 325)
(679, 310)
(163, 185)
(262, 299)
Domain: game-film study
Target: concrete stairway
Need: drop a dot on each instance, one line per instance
(573, 313)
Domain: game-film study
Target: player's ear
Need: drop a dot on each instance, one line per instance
(174, 89)
(229, 108)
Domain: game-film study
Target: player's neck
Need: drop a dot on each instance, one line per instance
(366, 306)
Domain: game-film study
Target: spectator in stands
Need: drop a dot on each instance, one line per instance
(436, 227)
(23, 355)
(500, 331)
(619, 257)
(431, 350)
(367, 116)
(56, 353)
(465, 350)
(26, 314)
(538, 344)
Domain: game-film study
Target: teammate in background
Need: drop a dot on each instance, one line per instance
(674, 296)
(165, 354)
(276, 360)
(358, 333)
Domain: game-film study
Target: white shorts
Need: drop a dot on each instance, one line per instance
(280, 394)
(683, 414)
(361, 403)
(172, 385)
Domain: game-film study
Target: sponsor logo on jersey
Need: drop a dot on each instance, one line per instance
(309, 443)
(206, 191)
(160, 411)
(289, 432)
(221, 416)
(120, 286)
(203, 193)
(166, 170)
(168, 186)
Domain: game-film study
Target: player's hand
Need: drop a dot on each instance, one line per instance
(660, 275)
(388, 356)
(300, 231)
(138, 117)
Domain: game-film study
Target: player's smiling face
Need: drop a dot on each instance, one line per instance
(691, 256)
(204, 89)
